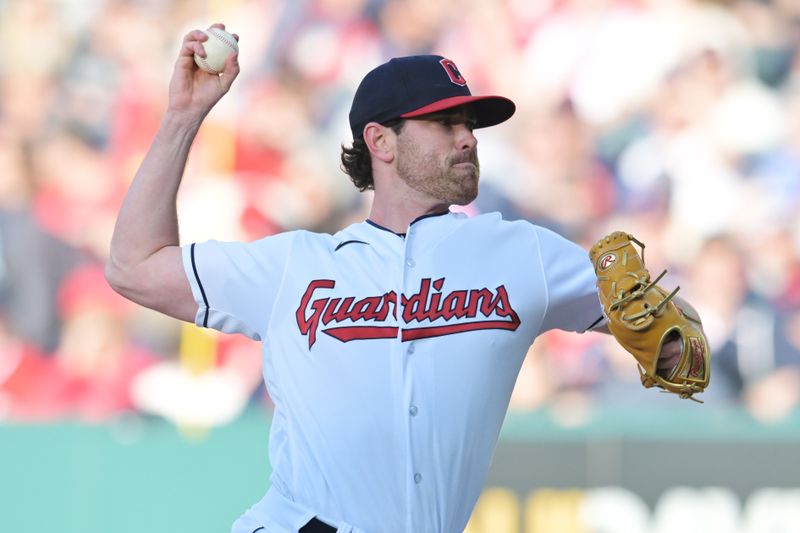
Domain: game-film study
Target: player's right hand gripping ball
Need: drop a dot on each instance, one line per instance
(642, 317)
(219, 45)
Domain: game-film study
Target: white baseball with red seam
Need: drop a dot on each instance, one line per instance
(218, 47)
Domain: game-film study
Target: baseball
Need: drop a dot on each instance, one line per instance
(218, 47)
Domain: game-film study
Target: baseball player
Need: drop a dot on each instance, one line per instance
(391, 348)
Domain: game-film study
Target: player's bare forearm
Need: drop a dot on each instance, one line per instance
(144, 262)
(148, 219)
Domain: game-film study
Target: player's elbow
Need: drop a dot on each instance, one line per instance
(119, 277)
(157, 281)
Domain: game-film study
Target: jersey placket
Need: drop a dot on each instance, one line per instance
(417, 397)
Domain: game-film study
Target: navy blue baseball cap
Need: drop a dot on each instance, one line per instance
(406, 87)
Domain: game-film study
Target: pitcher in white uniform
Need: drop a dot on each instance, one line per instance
(390, 348)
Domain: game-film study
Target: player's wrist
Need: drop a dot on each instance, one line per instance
(177, 120)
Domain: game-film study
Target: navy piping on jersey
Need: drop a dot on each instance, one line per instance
(371, 223)
(200, 284)
(595, 323)
(429, 215)
(258, 529)
(345, 243)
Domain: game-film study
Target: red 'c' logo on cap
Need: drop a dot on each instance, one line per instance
(453, 72)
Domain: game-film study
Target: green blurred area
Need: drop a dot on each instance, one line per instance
(145, 475)
(683, 422)
(136, 475)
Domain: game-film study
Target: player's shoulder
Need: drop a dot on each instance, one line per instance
(308, 240)
(493, 221)
(517, 231)
(297, 239)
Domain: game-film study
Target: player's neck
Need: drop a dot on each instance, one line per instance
(396, 213)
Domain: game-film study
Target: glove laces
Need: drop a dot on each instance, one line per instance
(643, 287)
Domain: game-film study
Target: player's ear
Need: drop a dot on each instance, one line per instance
(380, 141)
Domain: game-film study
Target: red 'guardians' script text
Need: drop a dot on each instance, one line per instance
(347, 319)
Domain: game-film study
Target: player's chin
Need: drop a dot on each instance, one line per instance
(467, 193)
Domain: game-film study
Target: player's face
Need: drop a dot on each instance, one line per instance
(437, 155)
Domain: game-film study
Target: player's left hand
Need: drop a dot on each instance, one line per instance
(671, 350)
(664, 333)
(669, 357)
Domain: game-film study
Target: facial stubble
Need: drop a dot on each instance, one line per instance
(425, 172)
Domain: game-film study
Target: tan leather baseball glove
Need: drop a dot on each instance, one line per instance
(642, 317)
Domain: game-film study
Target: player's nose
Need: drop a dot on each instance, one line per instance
(466, 139)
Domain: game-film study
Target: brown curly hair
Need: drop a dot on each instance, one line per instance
(356, 160)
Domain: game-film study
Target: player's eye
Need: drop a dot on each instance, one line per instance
(450, 121)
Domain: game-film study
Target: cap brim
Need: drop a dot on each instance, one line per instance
(489, 110)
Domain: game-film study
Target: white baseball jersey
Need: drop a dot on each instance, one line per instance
(390, 358)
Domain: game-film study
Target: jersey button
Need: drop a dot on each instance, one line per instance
(413, 410)
(411, 347)
(417, 478)
(411, 263)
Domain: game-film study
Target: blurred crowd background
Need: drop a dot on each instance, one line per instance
(675, 120)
